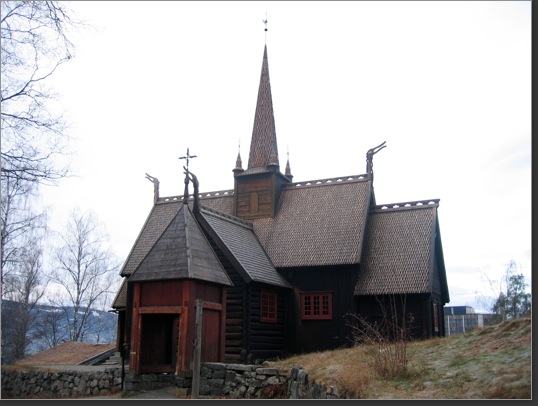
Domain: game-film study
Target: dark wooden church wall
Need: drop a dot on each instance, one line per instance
(235, 308)
(235, 316)
(436, 288)
(266, 340)
(161, 293)
(416, 305)
(437, 296)
(213, 320)
(314, 335)
(120, 332)
(251, 206)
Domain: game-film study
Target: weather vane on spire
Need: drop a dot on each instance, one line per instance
(187, 157)
(265, 29)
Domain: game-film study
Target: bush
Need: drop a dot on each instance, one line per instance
(386, 339)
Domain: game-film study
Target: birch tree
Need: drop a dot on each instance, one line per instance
(84, 269)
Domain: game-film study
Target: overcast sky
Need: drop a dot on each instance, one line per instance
(446, 84)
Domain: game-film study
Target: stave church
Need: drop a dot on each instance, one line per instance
(275, 267)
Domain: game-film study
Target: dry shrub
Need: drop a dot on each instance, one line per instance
(386, 340)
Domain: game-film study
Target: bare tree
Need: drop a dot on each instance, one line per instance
(84, 269)
(509, 297)
(34, 43)
(27, 287)
(513, 300)
(18, 221)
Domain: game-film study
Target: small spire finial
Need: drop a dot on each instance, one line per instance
(265, 29)
(288, 168)
(238, 163)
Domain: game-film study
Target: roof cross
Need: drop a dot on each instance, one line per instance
(187, 157)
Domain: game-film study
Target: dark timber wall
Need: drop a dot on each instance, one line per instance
(315, 335)
(255, 196)
(416, 305)
(265, 340)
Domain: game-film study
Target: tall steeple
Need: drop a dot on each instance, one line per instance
(263, 145)
(257, 189)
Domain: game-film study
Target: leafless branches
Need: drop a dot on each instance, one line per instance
(84, 269)
(34, 43)
(386, 338)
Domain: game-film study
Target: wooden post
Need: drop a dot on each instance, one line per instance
(197, 350)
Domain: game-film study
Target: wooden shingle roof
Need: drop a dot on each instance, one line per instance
(181, 252)
(399, 250)
(317, 223)
(263, 146)
(120, 301)
(160, 217)
(237, 239)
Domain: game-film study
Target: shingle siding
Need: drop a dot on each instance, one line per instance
(316, 225)
(182, 252)
(398, 254)
(240, 240)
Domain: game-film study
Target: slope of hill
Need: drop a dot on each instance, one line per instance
(493, 362)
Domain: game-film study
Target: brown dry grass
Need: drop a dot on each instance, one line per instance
(489, 363)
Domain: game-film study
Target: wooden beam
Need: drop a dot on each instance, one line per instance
(197, 350)
(212, 306)
(160, 309)
(222, 335)
(135, 332)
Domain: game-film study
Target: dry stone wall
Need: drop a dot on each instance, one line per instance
(238, 381)
(60, 384)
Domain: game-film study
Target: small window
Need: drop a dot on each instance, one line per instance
(254, 202)
(317, 306)
(268, 307)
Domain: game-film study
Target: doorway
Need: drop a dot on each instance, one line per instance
(159, 342)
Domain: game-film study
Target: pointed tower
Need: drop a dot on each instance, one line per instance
(263, 145)
(257, 189)
(288, 169)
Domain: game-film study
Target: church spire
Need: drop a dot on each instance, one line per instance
(288, 169)
(238, 163)
(263, 145)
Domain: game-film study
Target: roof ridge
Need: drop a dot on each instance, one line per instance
(225, 216)
(329, 181)
(230, 192)
(415, 204)
(202, 195)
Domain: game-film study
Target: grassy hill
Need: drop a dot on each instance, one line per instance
(489, 363)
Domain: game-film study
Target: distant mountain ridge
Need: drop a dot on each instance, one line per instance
(50, 327)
